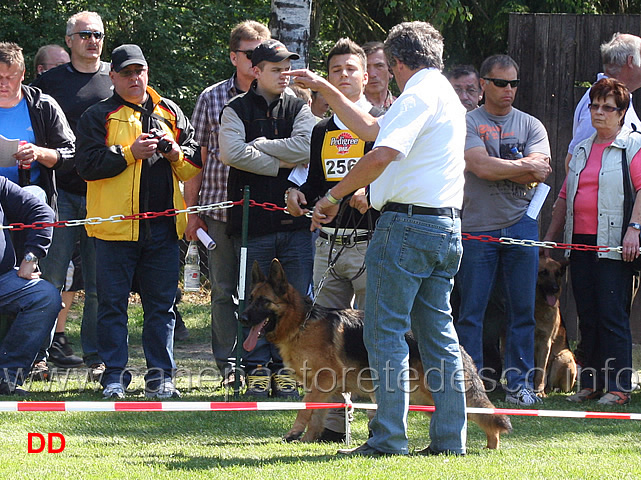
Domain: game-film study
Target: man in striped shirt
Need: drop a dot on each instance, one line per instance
(211, 187)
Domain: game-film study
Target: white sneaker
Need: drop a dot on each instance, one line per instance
(114, 390)
(525, 397)
(165, 390)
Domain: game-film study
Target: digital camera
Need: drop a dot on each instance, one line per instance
(164, 146)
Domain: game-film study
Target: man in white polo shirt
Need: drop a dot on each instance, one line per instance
(416, 174)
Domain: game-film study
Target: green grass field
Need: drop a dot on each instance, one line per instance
(247, 445)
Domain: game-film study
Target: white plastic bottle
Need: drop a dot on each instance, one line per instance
(192, 268)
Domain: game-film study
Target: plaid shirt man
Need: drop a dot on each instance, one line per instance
(206, 121)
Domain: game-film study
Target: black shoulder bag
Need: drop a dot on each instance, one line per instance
(629, 197)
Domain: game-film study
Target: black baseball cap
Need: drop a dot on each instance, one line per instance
(126, 55)
(271, 51)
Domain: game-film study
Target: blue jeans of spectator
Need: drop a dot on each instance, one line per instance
(153, 259)
(54, 267)
(602, 291)
(294, 251)
(36, 304)
(515, 268)
(411, 262)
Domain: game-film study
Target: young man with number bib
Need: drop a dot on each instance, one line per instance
(342, 243)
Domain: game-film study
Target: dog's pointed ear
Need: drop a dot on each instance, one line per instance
(257, 274)
(564, 265)
(277, 278)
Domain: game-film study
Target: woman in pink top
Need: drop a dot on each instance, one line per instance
(590, 210)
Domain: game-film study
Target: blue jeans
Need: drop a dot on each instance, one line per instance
(602, 291)
(411, 262)
(294, 251)
(153, 259)
(36, 304)
(515, 268)
(54, 267)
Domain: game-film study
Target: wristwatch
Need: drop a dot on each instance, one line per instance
(636, 226)
(30, 257)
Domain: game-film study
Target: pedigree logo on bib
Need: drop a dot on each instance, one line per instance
(341, 150)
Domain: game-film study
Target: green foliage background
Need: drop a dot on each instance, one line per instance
(186, 43)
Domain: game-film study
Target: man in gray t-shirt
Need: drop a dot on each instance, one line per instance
(495, 203)
(506, 152)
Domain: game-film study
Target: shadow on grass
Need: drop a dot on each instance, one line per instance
(206, 463)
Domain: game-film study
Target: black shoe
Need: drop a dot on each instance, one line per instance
(61, 353)
(330, 436)
(6, 389)
(428, 451)
(258, 382)
(363, 451)
(229, 381)
(284, 385)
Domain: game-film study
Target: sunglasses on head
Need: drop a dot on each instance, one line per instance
(86, 35)
(499, 82)
(248, 53)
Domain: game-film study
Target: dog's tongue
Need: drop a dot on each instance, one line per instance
(551, 299)
(250, 342)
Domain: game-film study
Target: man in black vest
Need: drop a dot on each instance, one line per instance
(264, 134)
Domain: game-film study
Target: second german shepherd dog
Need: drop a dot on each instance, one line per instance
(325, 350)
(555, 364)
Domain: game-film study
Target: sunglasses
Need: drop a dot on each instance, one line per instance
(499, 82)
(248, 53)
(86, 35)
(594, 107)
(131, 72)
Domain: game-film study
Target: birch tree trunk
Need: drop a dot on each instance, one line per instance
(290, 23)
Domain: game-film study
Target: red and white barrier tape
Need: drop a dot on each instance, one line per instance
(267, 406)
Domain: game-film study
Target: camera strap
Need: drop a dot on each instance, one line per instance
(147, 115)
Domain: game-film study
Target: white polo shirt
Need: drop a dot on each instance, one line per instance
(426, 125)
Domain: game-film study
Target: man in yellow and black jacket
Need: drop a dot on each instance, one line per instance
(133, 150)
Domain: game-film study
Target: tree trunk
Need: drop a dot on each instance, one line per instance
(290, 23)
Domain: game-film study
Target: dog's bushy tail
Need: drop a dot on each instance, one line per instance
(476, 397)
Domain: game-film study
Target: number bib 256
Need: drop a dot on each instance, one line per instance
(341, 150)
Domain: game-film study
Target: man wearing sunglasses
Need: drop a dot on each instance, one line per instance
(76, 86)
(506, 150)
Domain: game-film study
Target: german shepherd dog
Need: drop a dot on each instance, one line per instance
(325, 350)
(555, 363)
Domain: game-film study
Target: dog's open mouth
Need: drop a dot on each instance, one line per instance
(551, 299)
(256, 332)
